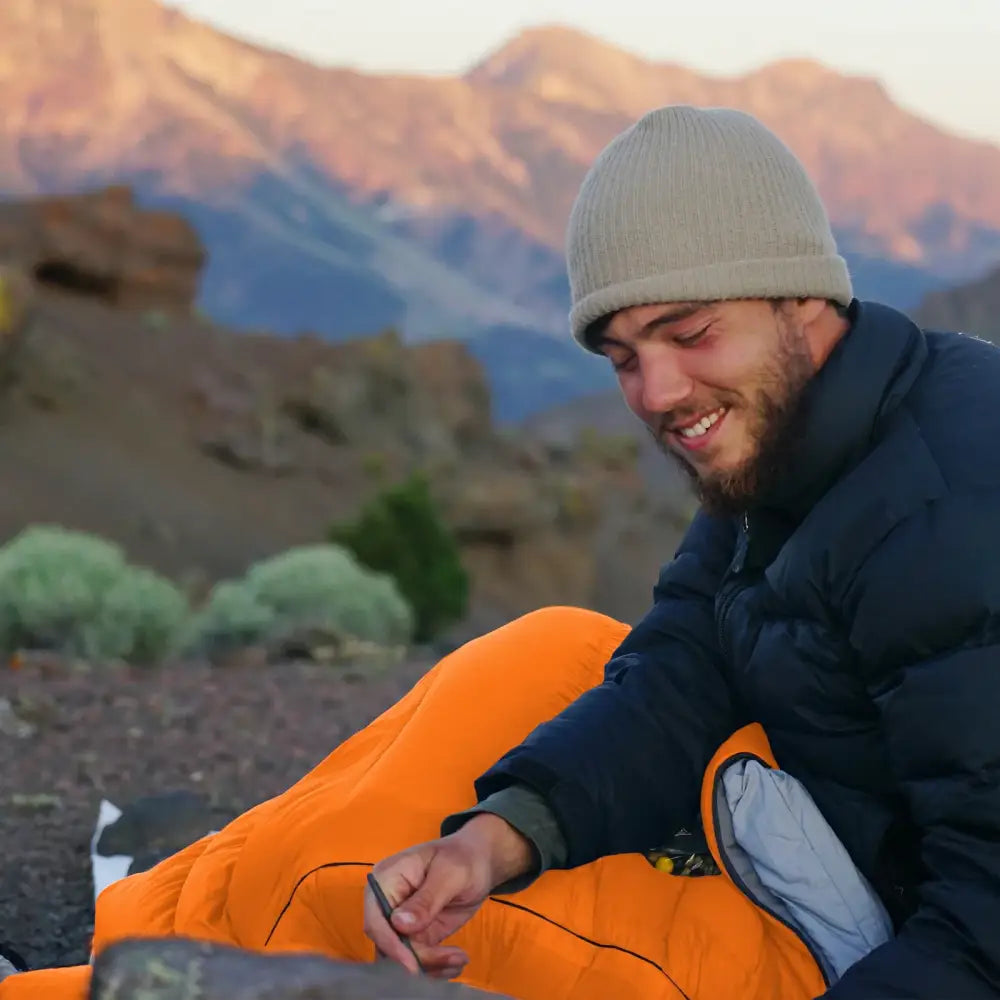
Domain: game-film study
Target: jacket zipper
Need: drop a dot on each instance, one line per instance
(735, 876)
(729, 592)
(729, 595)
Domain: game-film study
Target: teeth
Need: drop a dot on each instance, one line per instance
(696, 430)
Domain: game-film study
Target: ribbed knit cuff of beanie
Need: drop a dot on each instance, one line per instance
(697, 205)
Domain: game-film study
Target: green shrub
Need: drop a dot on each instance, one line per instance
(308, 587)
(232, 617)
(142, 617)
(400, 532)
(76, 594)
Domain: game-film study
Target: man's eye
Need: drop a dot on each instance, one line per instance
(623, 364)
(692, 338)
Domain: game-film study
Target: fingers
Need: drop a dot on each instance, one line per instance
(441, 884)
(440, 961)
(426, 894)
(437, 961)
(385, 939)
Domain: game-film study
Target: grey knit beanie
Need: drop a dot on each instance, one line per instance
(697, 205)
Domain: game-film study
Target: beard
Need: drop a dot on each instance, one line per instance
(774, 421)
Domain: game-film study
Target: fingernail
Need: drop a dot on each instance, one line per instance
(405, 918)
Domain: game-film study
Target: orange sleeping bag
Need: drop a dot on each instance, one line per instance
(289, 874)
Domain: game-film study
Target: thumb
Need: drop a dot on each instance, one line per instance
(440, 886)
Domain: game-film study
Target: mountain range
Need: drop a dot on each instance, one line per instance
(344, 203)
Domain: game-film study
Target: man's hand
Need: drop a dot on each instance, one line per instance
(435, 888)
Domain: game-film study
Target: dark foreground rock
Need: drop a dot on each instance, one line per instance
(188, 970)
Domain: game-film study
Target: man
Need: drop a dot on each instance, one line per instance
(814, 690)
(840, 586)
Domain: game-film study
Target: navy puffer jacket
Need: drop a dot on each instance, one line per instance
(855, 613)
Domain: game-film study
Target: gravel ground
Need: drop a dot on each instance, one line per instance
(236, 735)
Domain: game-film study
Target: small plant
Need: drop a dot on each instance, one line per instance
(308, 587)
(613, 451)
(155, 319)
(578, 506)
(14, 303)
(401, 532)
(374, 464)
(76, 594)
(233, 617)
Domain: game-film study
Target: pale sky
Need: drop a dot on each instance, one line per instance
(939, 58)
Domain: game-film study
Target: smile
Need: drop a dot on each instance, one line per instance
(698, 433)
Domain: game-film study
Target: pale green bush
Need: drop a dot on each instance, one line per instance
(76, 594)
(308, 587)
(142, 616)
(232, 617)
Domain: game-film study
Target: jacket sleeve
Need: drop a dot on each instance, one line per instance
(528, 813)
(925, 614)
(621, 767)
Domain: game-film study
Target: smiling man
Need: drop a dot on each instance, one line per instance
(784, 781)
(838, 595)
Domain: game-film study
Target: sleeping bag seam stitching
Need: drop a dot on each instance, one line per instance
(596, 944)
(308, 874)
(502, 902)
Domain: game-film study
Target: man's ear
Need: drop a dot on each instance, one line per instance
(810, 310)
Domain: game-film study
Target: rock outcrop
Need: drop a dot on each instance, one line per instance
(103, 245)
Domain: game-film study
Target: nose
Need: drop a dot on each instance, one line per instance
(665, 384)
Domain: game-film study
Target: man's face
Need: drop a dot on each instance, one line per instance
(717, 385)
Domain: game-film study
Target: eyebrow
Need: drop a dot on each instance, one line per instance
(672, 314)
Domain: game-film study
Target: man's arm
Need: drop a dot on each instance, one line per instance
(529, 814)
(621, 768)
(925, 614)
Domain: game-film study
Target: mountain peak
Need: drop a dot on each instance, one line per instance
(564, 64)
(546, 48)
(798, 69)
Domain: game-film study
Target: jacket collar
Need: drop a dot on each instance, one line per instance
(864, 379)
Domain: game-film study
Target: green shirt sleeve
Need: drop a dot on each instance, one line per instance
(528, 813)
